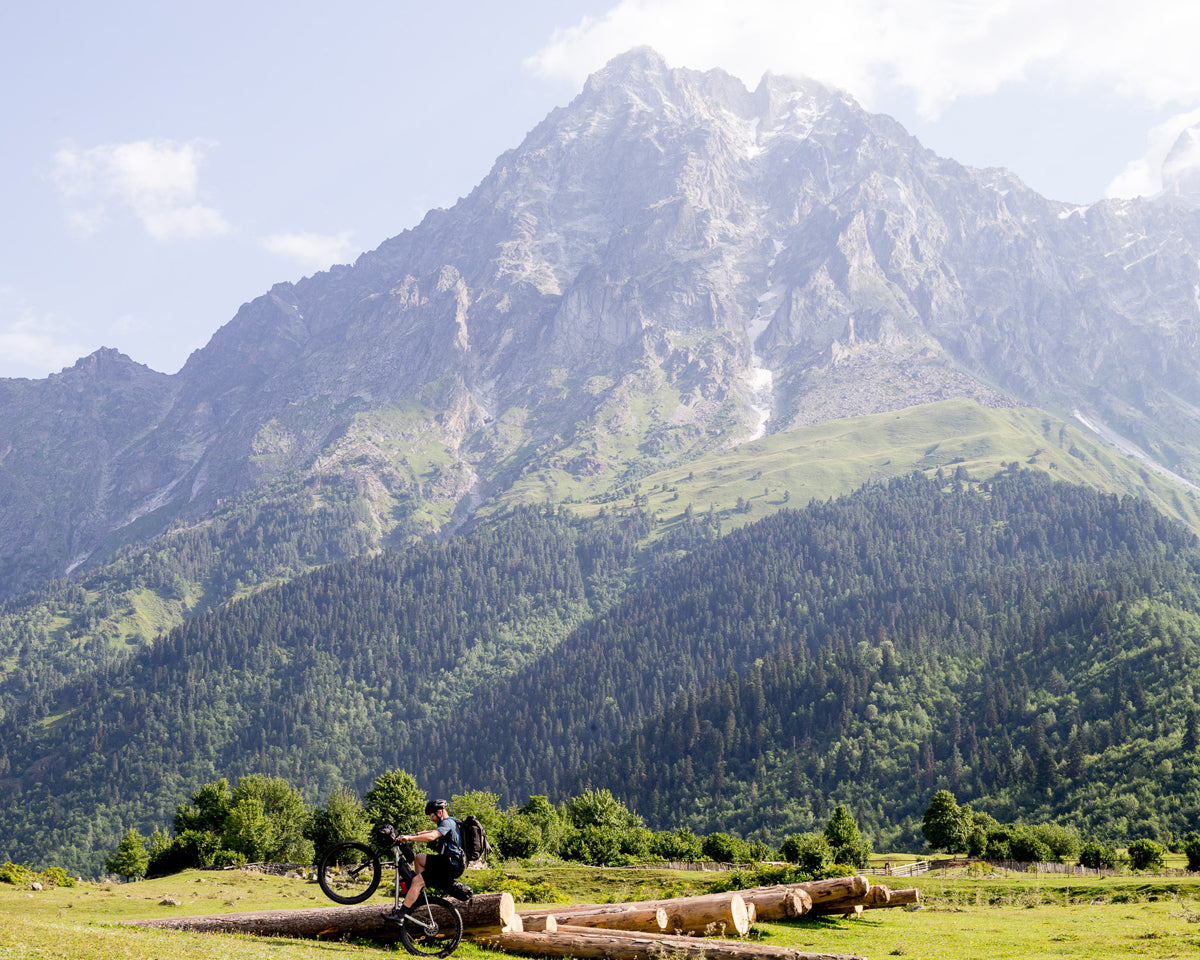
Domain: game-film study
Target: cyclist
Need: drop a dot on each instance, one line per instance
(441, 868)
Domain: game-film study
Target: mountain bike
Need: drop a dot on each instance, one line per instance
(349, 872)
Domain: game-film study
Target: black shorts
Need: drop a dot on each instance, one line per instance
(440, 872)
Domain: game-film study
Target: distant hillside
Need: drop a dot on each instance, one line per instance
(539, 653)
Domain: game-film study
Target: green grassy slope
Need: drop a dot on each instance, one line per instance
(833, 458)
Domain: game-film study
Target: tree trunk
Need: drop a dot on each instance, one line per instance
(716, 914)
(836, 888)
(781, 902)
(647, 916)
(628, 945)
(899, 898)
(487, 911)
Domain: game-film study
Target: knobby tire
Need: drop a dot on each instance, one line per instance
(349, 872)
(441, 943)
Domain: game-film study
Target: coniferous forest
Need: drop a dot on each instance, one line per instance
(1031, 646)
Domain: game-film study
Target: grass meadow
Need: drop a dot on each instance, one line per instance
(964, 917)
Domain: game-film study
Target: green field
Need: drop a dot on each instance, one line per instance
(963, 917)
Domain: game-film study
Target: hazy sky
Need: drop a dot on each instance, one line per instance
(163, 163)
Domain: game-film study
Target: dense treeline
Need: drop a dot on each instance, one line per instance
(93, 622)
(1029, 645)
(862, 650)
(323, 679)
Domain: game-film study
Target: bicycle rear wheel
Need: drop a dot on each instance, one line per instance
(442, 932)
(349, 872)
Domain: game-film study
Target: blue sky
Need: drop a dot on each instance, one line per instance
(165, 162)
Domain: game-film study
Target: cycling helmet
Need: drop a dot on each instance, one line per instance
(435, 805)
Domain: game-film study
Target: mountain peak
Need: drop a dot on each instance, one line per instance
(638, 64)
(106, 363)
(1181, 169)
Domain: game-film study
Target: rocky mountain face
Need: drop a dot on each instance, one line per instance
(669, 265)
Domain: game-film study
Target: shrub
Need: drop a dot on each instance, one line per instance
(722, 848)
(16, 873)
(1145, 855)
(1096, 856)
(599, 808)
(809, 851)
(595, 845)
(756, 851)
(1024, 845)
(681, 844)
(516, 838)
(1062, 842)
(56, 877)
(1191, 849)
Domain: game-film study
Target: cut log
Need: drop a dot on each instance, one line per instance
(878, 896)
(540, 924)
(836, 888)
(494, 912)
(899, 898)
(718, 914)
(648, 916)
(777, 903)
(629, 945)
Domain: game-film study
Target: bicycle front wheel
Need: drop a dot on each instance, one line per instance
(349, 872)
(433, 930)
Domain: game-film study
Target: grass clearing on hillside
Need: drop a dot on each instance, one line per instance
(993, 917)
(836, 457)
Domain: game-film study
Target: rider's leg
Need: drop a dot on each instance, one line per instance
(417, 883)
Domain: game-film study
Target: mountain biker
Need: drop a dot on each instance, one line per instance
(441, 868)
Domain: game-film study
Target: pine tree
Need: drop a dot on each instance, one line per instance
(130, 859)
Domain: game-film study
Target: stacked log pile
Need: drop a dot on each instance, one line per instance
(642, 930)
(686, 925)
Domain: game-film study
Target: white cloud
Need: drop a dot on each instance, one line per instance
(158, 180)
(1142, 177)
(939, 50)
(38, 344)
(312, 251)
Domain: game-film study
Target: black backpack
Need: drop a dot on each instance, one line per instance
(474, 839)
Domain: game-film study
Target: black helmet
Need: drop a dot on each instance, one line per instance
(435, 805)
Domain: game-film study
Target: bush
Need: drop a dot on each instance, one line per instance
(1096, 856)
(516, 838)
(1145, 855)
(678, 845)
(809, 851)
(722, 848)
(1025, 846)
(597, 846)
(1191, 849)
(56, 877)
(756, 851)
(635, 843)
(599, 808)
(16, 873)
(1062, 842)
